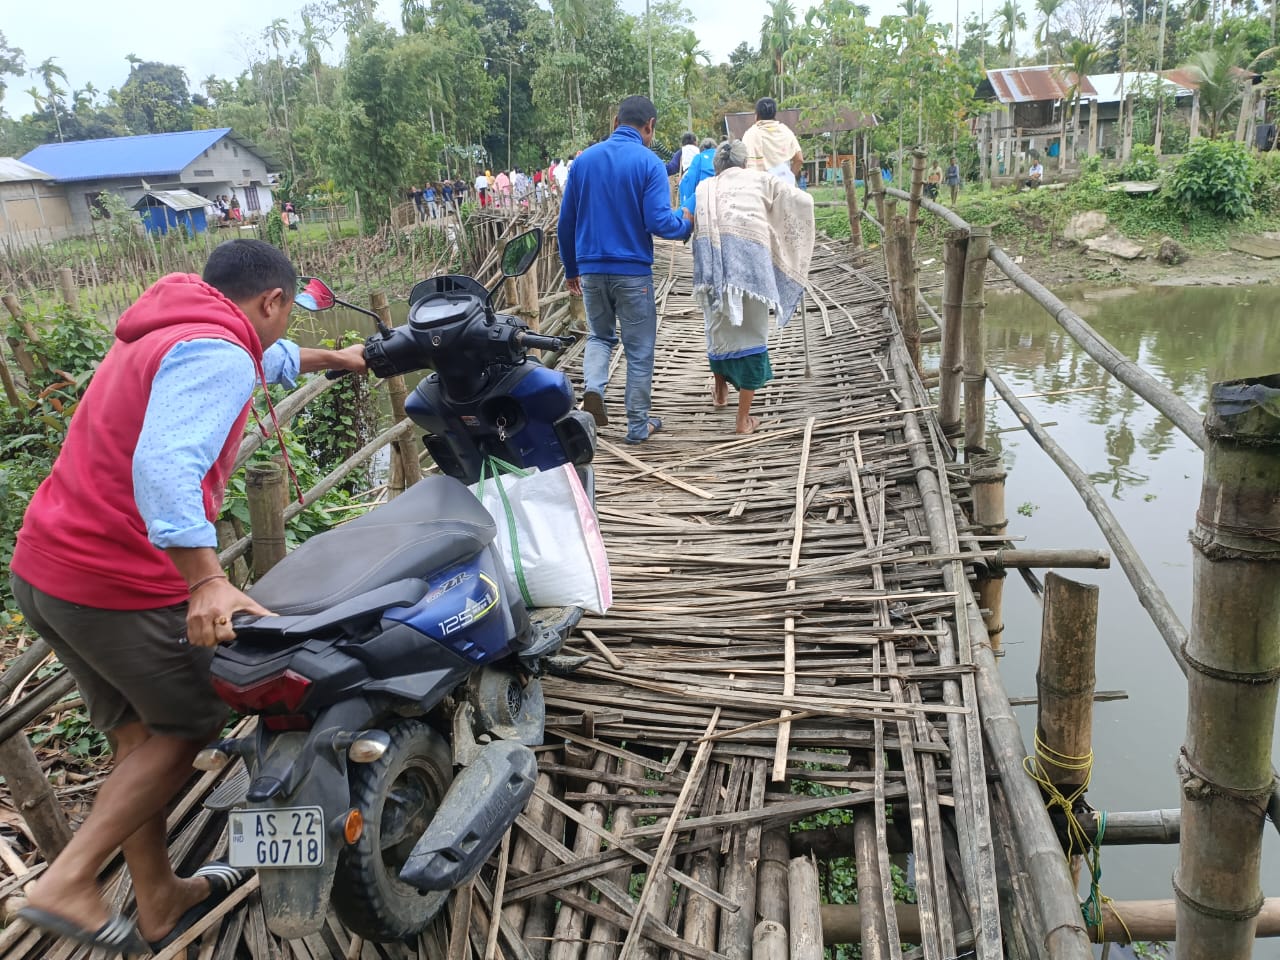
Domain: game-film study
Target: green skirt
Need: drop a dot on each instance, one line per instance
(745, 373)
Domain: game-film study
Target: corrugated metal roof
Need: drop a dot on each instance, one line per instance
(151, 155)
(13, 170)
(174, 199)
(1107, 85)
(1030, 84)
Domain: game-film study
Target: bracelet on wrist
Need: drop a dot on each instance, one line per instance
(203, 580)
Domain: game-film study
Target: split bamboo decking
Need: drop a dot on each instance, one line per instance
(786, 640)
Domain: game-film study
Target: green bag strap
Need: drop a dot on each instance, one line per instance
(515, 540)
(492, 466)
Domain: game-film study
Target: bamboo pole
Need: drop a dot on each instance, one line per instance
(908, 286)
(769, 941)
(1065, 936)
(917, 192)
(851, 200)
(1065, 682)
(875, 184)
(67, 286)
(1233, 658)
(951, 365)
(406, 467)
(264, 488)
(771, 876)
(1155, 392)
(1143, 920)
(33, 796)
(805, 929)
(986, 481)
(972, 333)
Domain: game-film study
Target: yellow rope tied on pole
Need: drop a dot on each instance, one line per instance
(1078, 841)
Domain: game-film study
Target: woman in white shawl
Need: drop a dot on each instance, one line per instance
(752, 243)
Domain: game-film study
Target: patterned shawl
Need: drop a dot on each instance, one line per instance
(754, 236)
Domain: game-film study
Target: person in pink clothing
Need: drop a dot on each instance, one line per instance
(502, 186)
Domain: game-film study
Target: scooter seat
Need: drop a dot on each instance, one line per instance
(435, 523)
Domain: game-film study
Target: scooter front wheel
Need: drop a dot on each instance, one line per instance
(398, 794)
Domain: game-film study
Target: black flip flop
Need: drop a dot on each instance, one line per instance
(117, 935)
(223, 880)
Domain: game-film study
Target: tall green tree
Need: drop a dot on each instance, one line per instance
(775, 39)
(155, 98)
(50, 73)
(1047, 9)
(1009, 20)
(691, 55)
(12, 64)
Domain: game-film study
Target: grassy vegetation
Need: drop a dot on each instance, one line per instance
(1190, 207)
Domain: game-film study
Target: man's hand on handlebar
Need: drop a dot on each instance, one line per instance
(574, 285)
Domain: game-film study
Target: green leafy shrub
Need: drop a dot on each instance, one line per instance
(1215, 177)
(1266, 188)
(1143, 164)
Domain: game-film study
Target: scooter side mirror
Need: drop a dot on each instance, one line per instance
(314, 294)
(520, 252)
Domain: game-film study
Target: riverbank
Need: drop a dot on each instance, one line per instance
(1070, 263)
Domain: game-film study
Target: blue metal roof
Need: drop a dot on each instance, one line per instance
(153, 154)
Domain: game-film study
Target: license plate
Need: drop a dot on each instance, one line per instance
(288, 837)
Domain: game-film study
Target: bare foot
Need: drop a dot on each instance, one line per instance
(751, 425)
(185, 895)
(719, 395)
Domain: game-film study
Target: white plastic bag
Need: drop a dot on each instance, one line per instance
(548, 536)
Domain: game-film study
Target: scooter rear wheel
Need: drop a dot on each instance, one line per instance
(398, 795)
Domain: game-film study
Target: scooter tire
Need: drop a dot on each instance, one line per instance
(368, 894)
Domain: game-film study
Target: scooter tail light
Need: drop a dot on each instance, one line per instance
(353, 826)
(282, 693)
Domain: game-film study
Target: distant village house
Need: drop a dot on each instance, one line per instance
(206, 163)
(33, 209)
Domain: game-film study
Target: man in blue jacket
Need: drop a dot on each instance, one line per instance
(616, 201)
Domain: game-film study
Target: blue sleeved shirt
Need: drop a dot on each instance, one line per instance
(616, 202)
(703, 166)
(198, 392)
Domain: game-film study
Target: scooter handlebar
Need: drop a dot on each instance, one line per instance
(536, 341)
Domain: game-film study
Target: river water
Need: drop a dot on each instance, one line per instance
(1150, 475)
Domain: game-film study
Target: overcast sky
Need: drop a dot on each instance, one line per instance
(90, 38)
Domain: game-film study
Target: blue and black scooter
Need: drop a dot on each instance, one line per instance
(397, 690)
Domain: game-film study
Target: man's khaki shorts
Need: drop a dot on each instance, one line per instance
(130, 665)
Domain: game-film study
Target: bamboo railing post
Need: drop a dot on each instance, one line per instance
(33, 796)
(952, 363)
(975, 363)
(1065, 680)
(1233, 660)
(771, 877)
(851, 199)
(907, 287)
(11, 388)
(917, 190)
(67, 286)
(20, 352)
(528, 310)
(875, 184)
(805, 929)
(406, 468)
(986, 480)
(264, 489)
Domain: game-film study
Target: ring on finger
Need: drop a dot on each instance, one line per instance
(222, 621)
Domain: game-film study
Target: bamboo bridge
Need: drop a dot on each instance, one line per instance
(798, 675)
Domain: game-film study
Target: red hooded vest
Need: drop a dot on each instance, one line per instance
(82, 539)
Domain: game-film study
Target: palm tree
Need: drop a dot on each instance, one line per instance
(1010, 20)
(413, 16)
(775, 36)
(690, 54)
(1083, 59)
(1220, 80)
(50, 73)
(312, 39)
(1047, 9)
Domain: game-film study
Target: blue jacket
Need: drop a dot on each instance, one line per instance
(703, 166)
(617, 199)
